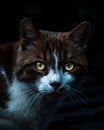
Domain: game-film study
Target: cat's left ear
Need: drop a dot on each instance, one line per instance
(80, 34)
(28, 31)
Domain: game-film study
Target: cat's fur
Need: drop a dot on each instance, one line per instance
(29, 95)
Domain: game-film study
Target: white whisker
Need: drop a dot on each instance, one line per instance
(80, 94)
(72, 98)
(79, 98)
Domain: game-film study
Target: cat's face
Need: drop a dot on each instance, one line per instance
(51, 61)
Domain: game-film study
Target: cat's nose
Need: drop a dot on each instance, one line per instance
(55, 85)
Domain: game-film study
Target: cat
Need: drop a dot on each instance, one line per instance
(37, 72)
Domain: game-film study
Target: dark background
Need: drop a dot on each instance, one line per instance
(63, 16)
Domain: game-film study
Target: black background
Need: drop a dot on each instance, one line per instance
(63, 16)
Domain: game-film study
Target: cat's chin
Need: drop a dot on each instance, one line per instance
(58, 92)
(54, 96)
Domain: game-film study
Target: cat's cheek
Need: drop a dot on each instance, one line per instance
(67, 78)
(43, 87)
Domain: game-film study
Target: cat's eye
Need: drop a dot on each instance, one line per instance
(69, 66)
(39, 66)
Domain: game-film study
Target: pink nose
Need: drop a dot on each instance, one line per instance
(55, 85)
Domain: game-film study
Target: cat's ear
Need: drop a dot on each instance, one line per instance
(28, 31)
(80, 34)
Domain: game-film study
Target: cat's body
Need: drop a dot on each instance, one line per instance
(39, 70)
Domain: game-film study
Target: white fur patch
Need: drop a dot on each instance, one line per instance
(43, 84)
(23, 99)
(56, 60)
(20, 102)
(17, 96)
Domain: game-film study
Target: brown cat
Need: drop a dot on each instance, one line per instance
(37, 72)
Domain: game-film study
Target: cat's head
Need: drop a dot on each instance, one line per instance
(51, 61)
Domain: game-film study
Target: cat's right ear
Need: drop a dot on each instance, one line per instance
(80, 34)
(28, 31)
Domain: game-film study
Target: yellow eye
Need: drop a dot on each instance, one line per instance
(40, 66)
(69, 66)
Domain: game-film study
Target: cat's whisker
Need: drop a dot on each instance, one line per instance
(79, 100)
(29, 91)
(29, 102)
(39, 101)
(34, 103)
(80, 94)
(81, 103)
(73, 100)
(78, 104)
(34, 99)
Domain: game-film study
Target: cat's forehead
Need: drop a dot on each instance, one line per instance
(54, 44)
(54, 41)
